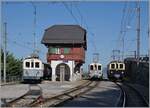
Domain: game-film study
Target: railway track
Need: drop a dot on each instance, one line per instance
(34, 94)
(130, 97)
(67, 95)
(137, 98)
(121, 102)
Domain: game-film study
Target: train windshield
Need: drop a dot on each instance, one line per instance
(121, 66)
(32, 64)
(37, 65)
(27, 64)
(99, 67)
(116, 66)
(91, 67)
(112, 66)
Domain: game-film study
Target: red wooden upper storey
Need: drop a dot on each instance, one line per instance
(65, 42)
(77, 54)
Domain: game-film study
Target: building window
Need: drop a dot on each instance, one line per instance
(57, 50)
(27, 64)
(37, 65)
(54, 50)
(66, 50)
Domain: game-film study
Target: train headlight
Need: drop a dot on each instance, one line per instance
(111, 72)
(122, 72)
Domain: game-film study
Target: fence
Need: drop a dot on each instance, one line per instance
(12, 79)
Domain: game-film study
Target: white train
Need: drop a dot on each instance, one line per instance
(95, 71)
(32, 69)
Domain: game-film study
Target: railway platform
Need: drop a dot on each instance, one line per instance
(48, 88)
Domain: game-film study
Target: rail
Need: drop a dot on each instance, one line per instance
(142, 97)
(67, 95)
(29, 97)
(122, 97)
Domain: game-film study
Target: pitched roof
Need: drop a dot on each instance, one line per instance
(64, 34)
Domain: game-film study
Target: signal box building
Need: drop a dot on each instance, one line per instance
(66, 51)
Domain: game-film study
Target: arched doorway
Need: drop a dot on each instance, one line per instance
(62, 72)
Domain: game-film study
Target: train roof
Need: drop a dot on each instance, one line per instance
(29, 57)
(115, 61)
(95, 63)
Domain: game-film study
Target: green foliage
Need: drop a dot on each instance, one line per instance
(13, 65)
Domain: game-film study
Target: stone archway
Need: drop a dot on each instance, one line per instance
(62, 72)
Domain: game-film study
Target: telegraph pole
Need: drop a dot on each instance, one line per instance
(138, 30)
(4, 48)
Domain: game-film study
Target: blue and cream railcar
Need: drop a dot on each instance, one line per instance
(116, 70)
(32, 69)
(95, 71)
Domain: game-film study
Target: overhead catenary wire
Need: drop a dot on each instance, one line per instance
(127, 16)
(70, 11)
(21, 45)
(82, 21)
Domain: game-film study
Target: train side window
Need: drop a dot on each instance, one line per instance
(121, 66)
(112, 66)
(91, 67)
(37, 65)
(28, 64)
(32, 64)
(99, 67)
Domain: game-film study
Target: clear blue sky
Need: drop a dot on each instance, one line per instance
(102, 18)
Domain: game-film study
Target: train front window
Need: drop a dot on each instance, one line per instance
(27, 64)
(121, 66)
(116, 66)
(99, 67)
(36, 64)
(91, 67)
(112, 66)
(32, 64)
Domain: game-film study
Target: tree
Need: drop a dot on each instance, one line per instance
(13, 65)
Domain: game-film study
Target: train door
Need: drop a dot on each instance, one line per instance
(62, 72)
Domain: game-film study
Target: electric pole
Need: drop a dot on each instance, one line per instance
(34, 26)
(4, 49)
(138, 31)
(149, 30)
(122, 48)
(95, 57)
